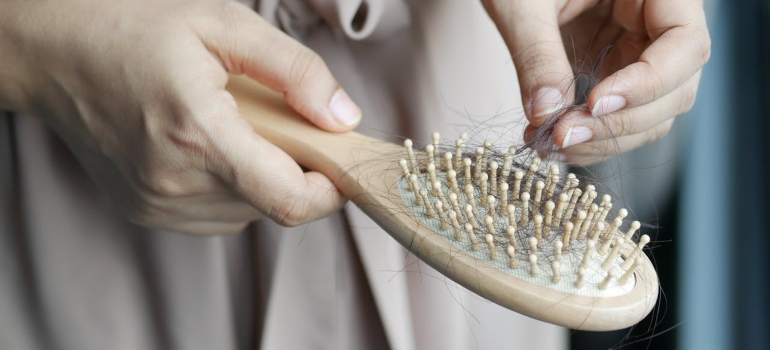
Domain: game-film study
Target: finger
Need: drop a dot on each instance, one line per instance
(165, 209)
(595, 152)
(157, 219)
(531, 31)
(208, 228)
(264, 175)
(580, 127)
(220, 208)
(680, 47)
(247, 44)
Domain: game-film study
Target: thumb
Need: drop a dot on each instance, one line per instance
(245, 43)
(531, 32)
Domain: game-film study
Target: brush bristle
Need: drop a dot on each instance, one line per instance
(536, 225)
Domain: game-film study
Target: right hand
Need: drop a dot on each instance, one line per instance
(650, 75)
(136, 89)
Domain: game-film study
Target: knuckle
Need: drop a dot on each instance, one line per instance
(704, 49)
(161, 183)
(624, 125)
(657, 85)
(169, 166)
(290, 210)
(305, 65)
(536, 63)
(530, 63)
(646, 76)
(187, 135)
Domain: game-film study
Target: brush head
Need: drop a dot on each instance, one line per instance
(545, 250)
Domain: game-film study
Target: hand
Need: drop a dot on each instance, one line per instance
(137, 90)
(649, 74)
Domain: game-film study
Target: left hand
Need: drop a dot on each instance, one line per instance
(649, 76)
(137, 90)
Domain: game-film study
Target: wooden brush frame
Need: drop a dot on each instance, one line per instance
(361, 169)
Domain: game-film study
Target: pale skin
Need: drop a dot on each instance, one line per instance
(136, 89)
(651, 75)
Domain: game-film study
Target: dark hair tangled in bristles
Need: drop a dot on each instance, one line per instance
(582, 84)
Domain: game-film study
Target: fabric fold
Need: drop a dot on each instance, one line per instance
(359, 20)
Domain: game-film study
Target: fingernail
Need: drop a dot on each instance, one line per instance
(607, 105)
(344, 110)
(546, 101)
(577, 135)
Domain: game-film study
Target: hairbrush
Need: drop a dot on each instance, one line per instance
(504, 225)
